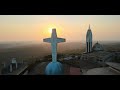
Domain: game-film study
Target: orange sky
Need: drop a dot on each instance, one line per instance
(71, 27)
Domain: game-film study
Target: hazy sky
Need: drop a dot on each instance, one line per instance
(71, 27)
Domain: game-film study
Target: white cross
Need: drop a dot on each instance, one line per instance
(54, 40)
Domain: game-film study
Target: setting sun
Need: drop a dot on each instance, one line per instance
(50, 30)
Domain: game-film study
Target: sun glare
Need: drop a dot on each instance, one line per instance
(50, 30)
(50, 27)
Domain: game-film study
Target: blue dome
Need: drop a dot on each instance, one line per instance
(54, 68)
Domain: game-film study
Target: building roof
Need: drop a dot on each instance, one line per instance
(13, 60)
(97, 47)
(74, 71)
(101, 71)
(99, 54)
(114, 65)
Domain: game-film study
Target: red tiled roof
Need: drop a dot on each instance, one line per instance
(74, 71)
